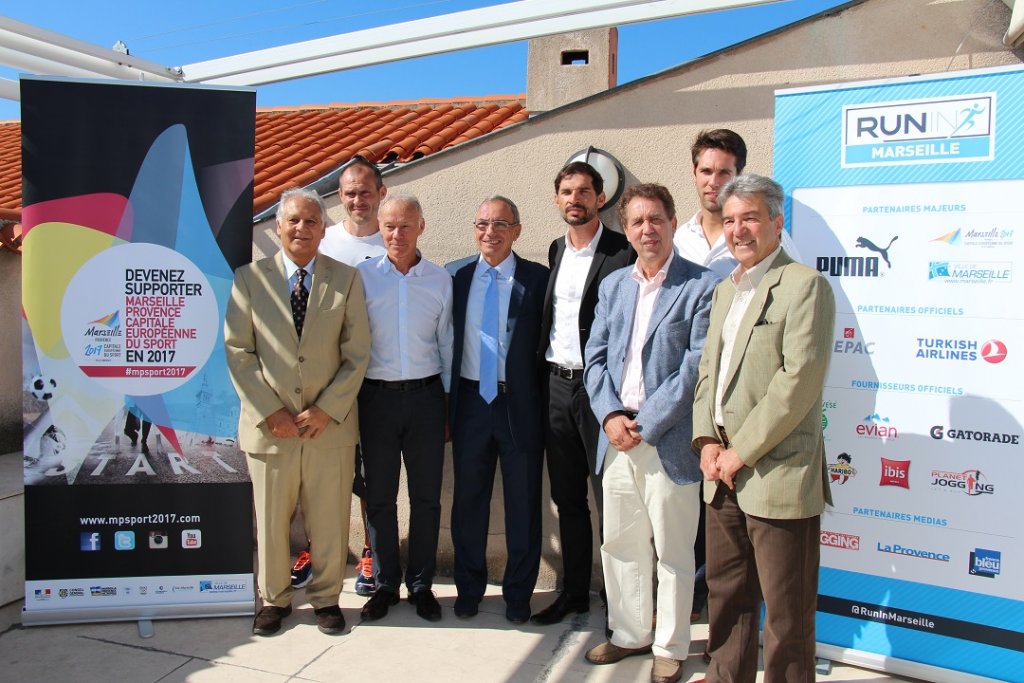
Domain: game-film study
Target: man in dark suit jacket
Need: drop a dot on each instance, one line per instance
(579, 262)
(495, 410)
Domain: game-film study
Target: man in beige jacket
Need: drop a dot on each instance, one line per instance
(757, 427)
(297, 341)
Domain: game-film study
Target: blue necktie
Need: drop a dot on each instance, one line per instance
(489, 340)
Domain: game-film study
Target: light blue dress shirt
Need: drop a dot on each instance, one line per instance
(475, 312)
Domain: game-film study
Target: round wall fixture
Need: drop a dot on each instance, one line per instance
(609, 168)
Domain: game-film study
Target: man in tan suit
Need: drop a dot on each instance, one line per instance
(757, 428)
(297, 341)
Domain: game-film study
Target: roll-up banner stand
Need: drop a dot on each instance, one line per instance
(137, 209)
(908, 196)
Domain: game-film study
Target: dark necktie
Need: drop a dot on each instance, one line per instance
(300, 295)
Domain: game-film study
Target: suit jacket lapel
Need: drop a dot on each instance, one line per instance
(597, 263)
(549, 292)
(277, 281)
(518, 289)
(671, 288)
(754, 313)
(321, 282)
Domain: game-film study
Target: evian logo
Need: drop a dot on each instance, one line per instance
(895, 473)
(834, 539)
(993, 351)
(875, 426)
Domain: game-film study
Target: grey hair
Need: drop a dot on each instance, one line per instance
(302, 194)
(407, 199)
(507, 202)
(748, 184)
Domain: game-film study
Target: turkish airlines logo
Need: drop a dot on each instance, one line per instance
(993, 351)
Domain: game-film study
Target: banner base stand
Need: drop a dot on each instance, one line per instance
(146, 628)
(899, 667)
(141, 614)
(822, 666)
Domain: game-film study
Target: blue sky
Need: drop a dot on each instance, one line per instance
(190, 31)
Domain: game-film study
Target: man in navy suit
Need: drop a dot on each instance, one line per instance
(641, 370)
(579, 261)
(495, 410)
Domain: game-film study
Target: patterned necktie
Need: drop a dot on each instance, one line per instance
(300, 295)
(489, 340)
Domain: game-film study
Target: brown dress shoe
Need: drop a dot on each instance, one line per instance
(609, 653)
(268, 619)
(666, 670)
(329, 620)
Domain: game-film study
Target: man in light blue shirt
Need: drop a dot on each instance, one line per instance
(402, 405)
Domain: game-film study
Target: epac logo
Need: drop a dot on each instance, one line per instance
(993, 351)
(856, 266)
(89, 541)
(970, 272)
(985, 563)
(897, 549)
(850, 345)
(895, 473)
(841, 471)
(834, 539)
(921, 131)
(939, 431)
(971, 482)
(874, 426)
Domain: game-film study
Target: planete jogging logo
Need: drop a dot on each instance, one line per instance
(921, 131)
(835, 539)
(971, 482)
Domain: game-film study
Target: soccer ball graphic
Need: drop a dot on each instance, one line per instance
(43, 388)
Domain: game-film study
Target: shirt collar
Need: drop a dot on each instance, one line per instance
(505, 268)
(386, 266)
(591, 245)
(659, 277)
(751, 278)
(290, 268)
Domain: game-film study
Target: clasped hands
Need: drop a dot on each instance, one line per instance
(719, 463)
(622, 432)
(309, 424)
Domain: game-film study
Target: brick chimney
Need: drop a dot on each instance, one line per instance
(570, 66)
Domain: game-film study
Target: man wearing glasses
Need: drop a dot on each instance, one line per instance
(495, 410)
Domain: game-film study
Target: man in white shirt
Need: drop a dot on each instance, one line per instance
(402, 405)
(718, 156)
(357, 238)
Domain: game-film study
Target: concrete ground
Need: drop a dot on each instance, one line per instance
(400, 647)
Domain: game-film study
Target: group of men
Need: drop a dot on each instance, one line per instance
(626, 360)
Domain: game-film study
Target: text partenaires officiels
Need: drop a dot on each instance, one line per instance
(159, 281)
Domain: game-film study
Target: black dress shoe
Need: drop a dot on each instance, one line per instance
(377, 606)
(466, 607)
(427, 606)
(330, 620)
(268, 619)
(517, 613)
(560, 608)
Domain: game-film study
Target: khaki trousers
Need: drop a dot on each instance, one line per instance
(319, 474)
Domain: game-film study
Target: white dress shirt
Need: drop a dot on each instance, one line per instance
(633, 391)
(475, 312)
(564, 340)
(746, 283)
(693, 246)
(410, 320)
(341, 245)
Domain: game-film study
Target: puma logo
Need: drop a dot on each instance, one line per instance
(865, 243)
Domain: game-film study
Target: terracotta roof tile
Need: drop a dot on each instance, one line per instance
(296, 146)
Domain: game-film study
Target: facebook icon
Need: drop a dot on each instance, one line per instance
(90, 540)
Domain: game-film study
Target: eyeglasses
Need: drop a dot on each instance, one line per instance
(498, 226)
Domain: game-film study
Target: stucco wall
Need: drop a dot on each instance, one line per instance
(649, 124)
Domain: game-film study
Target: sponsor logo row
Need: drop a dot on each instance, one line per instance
(991, 351)
(142, 590)
(980, 561)
(886, 428)
(971, 482)
(122, 540)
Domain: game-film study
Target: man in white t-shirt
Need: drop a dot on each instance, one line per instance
(352, 241)
(358, 237)
(718, 157)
